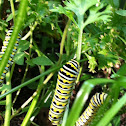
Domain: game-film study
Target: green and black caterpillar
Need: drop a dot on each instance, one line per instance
(65, 82)
(96, 101)
(4, 47)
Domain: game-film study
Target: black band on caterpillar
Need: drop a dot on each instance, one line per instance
(65, 82)
(5, 44)
(95, 102)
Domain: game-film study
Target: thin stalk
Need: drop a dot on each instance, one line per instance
(24, 104)
(8, 103)
(41, 103)
(12, 9)
(65, 116)
(0, 8)
(18, 92)
(63, 40)
(32, 106)
(112, 111)
(30, 81)
(78, 78)
(34, 102)
(31, 98)
(68, 45)
(30, 32)
(79, 44)
(12, 70)
(9, 97)
(26, 69)
(35, 47)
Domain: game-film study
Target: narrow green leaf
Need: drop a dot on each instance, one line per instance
(29, 81)
(112, 111)
(43, 60)
(96, 81)
(121, 12)
(10, 17)
(65, 115)
(116, 121)
(80, 100)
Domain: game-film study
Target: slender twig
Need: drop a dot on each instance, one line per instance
(26, 69)
(79, 44)
(68, 47)
(31, 98)
(30, 81)
(8, 103)
(24, 104)
(12, 9)
(63, 40)
(34, 102)
(30, 32)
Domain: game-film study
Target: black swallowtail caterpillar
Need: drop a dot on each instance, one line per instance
(10, 61)
(95, 102)
(65, 82)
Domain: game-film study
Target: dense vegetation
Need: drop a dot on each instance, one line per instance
(54, 32)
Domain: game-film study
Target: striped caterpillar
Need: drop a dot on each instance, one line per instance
(65, 82)
(95, 102)
(4, 47)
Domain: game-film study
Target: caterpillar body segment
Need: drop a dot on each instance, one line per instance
(96, 101)
(4, 47)
(67, 76)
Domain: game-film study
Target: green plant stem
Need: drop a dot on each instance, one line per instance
(30, 81)
(30, 32)
(79, 44)
(18, 25)
(112, 111)
(42, 102)
(24, 105)
(32, 107)
(0, 8)
(34, 102)
(8, 104)
(12, 9)
(35, 47)
(26, 69)
(29, 100)
(68, 48)
(18, 92)
(63, 40)
(35, 93)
